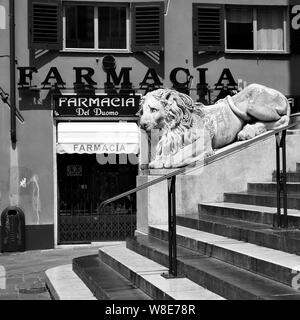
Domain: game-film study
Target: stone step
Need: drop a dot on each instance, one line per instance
(246, 212)
(224, 279)
(257, 187)
(261, 199)
(147, 275)
(104, 282)
(259, 234)
(290, 176)
(63, 284)
(273, 264)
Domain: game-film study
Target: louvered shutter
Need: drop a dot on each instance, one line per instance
(45, 24)
(208, 27)
(147, 26)
(294, 28)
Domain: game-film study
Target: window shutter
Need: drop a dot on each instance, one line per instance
(147, 26)
(294, 29)
(208, 27)
(45, 24)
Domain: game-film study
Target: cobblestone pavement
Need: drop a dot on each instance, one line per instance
(22, 274)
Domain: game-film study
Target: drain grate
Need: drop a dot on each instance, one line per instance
(35, 288)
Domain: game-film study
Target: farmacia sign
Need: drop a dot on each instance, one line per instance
(100, 105)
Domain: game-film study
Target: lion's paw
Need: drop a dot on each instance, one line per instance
(243, 136)
(251, 130)
(168, 164)
(156, 164)
(247, 133)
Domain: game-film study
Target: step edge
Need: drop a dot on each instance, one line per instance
(143, 275)
(61, 292)
(237, 229)
(239, 285)
(180, 232)
(246, 207)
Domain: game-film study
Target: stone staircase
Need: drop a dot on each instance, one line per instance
(229, 249)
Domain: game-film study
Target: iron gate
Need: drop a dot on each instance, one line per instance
(82, 185)
(103, 227)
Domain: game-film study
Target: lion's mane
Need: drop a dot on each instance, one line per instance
(180, 108)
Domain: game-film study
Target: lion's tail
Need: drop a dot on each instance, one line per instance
(283, 121)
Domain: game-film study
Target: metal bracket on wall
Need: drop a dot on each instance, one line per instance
(4, 97)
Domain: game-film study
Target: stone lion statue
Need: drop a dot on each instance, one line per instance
(191, 131)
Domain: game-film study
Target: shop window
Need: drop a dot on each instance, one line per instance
(240, 28)
(99, 26)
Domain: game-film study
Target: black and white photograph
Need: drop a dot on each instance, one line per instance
(150, 154)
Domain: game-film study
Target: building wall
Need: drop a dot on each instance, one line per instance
(31, 162)
(268, 69)
(33, 157)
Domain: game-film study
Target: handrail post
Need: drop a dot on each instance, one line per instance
(172, 225)
(284, 187)
(172, 229)
(281, 179)
(278, 179)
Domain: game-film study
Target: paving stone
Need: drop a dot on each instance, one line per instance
(23, 269)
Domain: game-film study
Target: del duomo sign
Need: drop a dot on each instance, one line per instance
(100, 105)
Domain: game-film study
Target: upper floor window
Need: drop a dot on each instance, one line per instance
(258, 29)
(240, 28)
(90, 26)
(96, 27)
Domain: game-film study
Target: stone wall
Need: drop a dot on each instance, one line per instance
(208, 184)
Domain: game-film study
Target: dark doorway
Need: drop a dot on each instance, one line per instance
(83, 184)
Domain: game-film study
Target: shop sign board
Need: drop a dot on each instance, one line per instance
(95, 148)
(99, 105)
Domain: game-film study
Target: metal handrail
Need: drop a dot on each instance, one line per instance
(233, 148)
(239, 146)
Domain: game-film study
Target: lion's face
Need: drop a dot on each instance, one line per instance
(152, 113)
(165, 109)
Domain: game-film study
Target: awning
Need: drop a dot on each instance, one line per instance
(98, 137)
